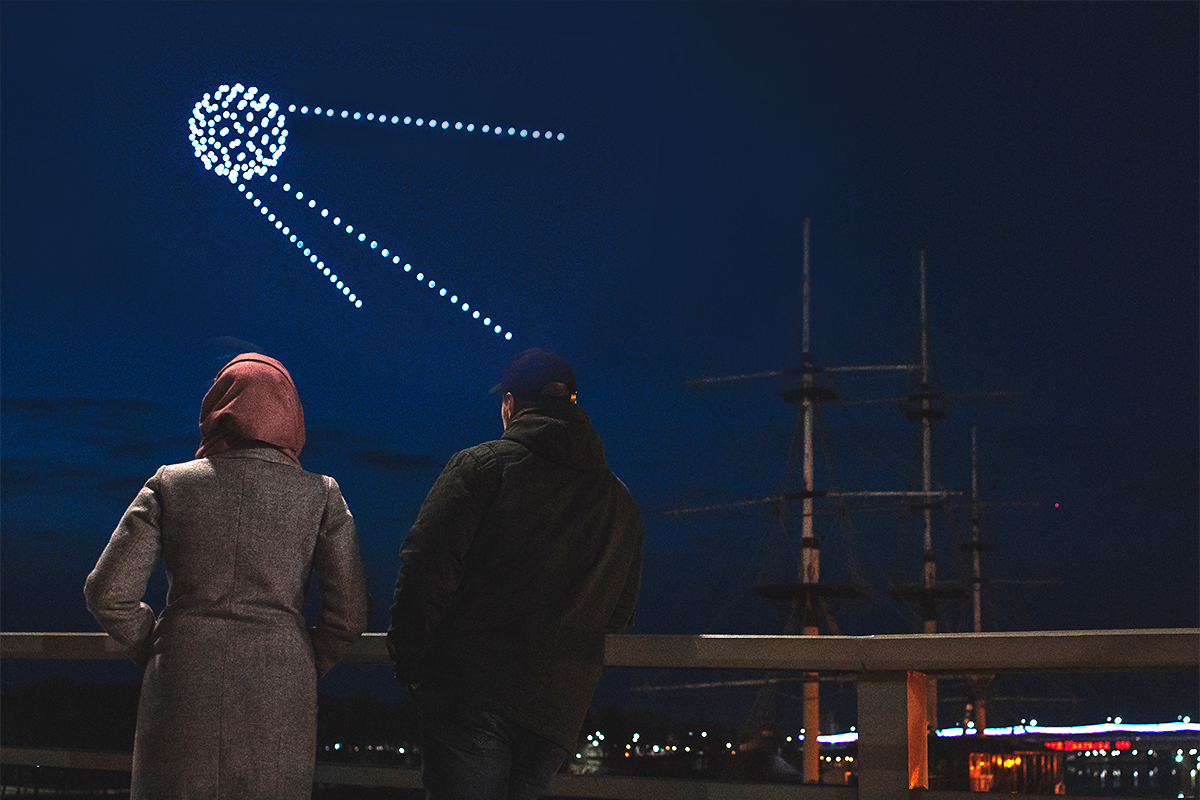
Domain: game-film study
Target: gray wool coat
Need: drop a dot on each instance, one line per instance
(228, 702)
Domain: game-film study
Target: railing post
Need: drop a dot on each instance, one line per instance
(893, 755)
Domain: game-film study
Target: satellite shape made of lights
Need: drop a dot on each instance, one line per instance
(239, 133)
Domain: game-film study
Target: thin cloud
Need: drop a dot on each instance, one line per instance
(75, 405)
(145, 448)
(24, 473)
(122, 487)
(392, 461)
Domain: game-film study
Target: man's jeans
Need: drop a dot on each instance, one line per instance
(470, 753)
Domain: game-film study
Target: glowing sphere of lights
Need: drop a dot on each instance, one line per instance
(238, 133)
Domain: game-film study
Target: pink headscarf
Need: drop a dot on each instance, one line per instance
(252, 399)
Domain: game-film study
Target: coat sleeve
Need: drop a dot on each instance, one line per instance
(345, 603)
(115, 588)
(627, 601)
(431, 561)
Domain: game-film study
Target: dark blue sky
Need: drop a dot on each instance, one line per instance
(1044, 154)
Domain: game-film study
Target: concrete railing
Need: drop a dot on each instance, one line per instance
(890, 672)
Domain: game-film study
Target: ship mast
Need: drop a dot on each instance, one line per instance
(810, 548)
(925, 407)
(927, 415)
(806, 596)
(980, 684)
(976, 543)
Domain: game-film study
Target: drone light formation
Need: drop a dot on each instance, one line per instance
(239, 133)
(420, 122)
(229, 131)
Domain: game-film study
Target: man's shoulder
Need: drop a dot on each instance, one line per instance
(486, 454)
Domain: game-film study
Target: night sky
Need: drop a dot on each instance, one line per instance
(1045, 155)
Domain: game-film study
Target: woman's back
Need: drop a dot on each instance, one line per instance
(228, 702)
(238, 533)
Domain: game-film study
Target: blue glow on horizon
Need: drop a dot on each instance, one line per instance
(838, 738)
(1087, 730)
(1045, 730)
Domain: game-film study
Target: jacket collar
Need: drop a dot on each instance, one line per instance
(259, 454)
(564, 436)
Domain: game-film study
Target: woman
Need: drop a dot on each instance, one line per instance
(229, 702)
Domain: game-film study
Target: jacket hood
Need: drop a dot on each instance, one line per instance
(563, 435)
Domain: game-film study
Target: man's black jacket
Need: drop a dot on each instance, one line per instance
(525, 553)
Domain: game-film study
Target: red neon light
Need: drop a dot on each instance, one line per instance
(1073, 746)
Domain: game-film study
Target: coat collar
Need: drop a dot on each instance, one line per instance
(563, 435)
(259, 454)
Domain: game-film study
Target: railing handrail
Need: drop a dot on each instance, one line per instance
(1129, 650)
(933, 654)
(890, 670)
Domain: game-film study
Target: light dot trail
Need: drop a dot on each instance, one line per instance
(431, 123)
(239, 133)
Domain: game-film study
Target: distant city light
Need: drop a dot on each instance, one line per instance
(1082, 730)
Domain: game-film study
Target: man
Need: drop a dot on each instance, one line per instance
(526, 552)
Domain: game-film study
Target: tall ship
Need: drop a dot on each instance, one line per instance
(981, 740)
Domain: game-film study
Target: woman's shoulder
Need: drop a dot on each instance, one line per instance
(272, 462)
